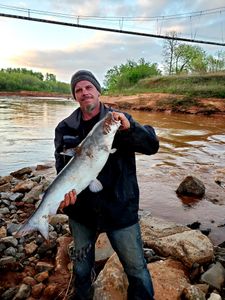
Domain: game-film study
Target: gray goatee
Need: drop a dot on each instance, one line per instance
(90, 108)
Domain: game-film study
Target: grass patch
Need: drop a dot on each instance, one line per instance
(207, 85)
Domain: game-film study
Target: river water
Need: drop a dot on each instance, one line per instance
(189, 144)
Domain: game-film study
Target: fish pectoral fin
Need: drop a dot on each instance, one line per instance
(95, 186)
(69, 152)
(113, 150)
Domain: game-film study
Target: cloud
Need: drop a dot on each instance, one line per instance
(99, 54)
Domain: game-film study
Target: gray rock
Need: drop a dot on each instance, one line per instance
(6, 195)
(16, 196)
(34, 194)
(12, 228)
(2, 222)
(214, 296)
(214, 276)
(6, 202)
(2, 247)
(37, 178)
(11, 251)
(12, 206)
(4, 211)
(9, 241)
(23, 292)
(9, 293)
(20, 248)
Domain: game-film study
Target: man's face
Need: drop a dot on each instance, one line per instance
(87, 95)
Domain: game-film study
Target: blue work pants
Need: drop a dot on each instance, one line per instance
(127, 243)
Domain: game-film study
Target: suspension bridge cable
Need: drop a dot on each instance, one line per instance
(111, 30)
(116, 18)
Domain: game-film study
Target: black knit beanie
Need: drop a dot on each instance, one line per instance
(84, 75)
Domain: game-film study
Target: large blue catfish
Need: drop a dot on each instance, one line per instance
(81, 172)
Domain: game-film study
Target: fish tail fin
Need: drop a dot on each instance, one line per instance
(28, 227)
(25, 229)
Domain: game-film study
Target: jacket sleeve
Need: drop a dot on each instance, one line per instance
(59, 159)
(138, 138)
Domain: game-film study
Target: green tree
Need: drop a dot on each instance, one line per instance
(128, 74)
(50, 77)
(181, 58)
(216, 63)
(190, 59)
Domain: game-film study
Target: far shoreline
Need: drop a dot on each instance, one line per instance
(152, 102)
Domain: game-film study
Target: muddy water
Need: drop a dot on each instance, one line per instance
(189, 145)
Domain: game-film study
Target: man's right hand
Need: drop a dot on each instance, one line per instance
(69, 199)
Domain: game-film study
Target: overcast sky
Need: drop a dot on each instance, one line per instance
(62, 50)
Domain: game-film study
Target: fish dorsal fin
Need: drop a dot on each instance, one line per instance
(113, 150)
(95, 186)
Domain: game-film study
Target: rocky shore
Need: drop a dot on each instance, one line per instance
(183, 261)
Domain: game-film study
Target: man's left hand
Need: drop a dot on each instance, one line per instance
(125, 124)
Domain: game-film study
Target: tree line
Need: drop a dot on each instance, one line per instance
(17, 79)
(178, 59)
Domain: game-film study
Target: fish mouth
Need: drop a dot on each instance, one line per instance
(108, 122)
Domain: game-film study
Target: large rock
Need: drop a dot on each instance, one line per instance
(169, 279)
(21, 172)
(24, 186)
(62, 258)
(170, 239)
(191, 186)
(103, 248)
(112, 281)
(154, 228)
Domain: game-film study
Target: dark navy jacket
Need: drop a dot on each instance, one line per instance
(116, 206)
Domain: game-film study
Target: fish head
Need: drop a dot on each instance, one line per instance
(110, 125)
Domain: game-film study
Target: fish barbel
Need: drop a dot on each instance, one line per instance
(81, 172)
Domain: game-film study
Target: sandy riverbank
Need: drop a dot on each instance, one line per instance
(167, 103)
(148, 102)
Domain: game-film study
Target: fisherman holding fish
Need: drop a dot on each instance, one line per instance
(110, 203)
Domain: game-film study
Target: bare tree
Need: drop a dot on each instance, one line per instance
(169, 49)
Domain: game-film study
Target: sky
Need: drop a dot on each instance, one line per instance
(62, 50)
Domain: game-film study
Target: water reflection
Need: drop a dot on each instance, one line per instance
(27, 130)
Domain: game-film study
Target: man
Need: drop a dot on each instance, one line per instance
(113, 210)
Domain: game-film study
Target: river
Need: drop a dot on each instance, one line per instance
(189, 145)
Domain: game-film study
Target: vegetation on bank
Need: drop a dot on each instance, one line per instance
(14, 80)
(190, 72)
(205, 85)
